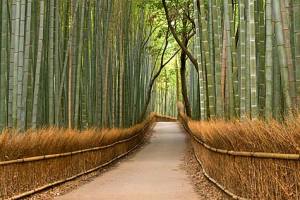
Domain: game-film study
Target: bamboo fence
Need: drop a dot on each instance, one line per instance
(23, 177)
(248, 175)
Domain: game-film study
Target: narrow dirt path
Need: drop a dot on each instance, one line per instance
(154, 173)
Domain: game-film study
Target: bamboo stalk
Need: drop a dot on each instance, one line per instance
(202, 90)
(38, 67)
(243, 66)
(252, 63)
(269, 61)
(282, 55)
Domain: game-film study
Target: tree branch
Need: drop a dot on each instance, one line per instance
(162, 65)
(162, 59)
(188, 53)
(191, 20)
(171, 58)
(152, 30)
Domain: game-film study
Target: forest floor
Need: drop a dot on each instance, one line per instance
(163, 169)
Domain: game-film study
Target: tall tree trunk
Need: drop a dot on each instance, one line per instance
(184, 85)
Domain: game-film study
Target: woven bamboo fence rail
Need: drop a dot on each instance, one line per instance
(248, 175)
(23, 177)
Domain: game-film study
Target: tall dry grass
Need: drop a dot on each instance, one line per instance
(14, 145)
(250, 177)
(253, 136)
(21, 177)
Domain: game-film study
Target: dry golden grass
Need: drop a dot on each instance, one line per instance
(252, 136)
(18, 178)
(253, 178)
(14, 145)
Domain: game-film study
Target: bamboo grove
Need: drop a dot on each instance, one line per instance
(248, 53)
(166, 94)
(73, 64)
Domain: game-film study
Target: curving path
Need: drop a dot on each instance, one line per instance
(154, 173)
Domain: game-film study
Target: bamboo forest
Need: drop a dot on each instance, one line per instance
(150, 99)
